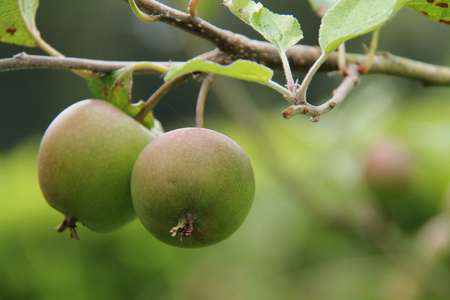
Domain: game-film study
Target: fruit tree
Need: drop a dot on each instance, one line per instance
(110, 158)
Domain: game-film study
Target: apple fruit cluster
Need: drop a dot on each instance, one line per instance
(101, 168)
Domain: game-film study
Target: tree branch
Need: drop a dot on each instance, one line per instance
(223, 39)
(302, 57)
(339, 94)
(428, 74)
(26, 61)
(235, 46)
(231, 46)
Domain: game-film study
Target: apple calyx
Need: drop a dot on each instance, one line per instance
(185, 226)
(69, 222)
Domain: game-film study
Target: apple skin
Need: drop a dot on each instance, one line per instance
(195, 174)
(85, 161)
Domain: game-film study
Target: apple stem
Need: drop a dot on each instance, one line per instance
(158, 95)
(186, 225)
(69, 222)
(200, 110)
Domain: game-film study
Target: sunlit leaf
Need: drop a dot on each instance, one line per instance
(243, 9)
(351, 18)
(17, 22)
(240, 69)
(438, 10)
(281, 30)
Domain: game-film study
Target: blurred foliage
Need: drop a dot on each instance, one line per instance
(317, 230)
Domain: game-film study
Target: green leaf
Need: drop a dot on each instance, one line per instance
(322, 6)
(114, 87)
(243, 9)
(134, 108)
(281, 30)
(240, 69)
(351, 18)
(17, 22)
(401, 3)
(435, 10)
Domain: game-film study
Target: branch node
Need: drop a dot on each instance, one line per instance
(315, 119)
(287, 113)
(20, 55)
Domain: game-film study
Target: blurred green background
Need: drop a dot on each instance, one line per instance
(356, 206)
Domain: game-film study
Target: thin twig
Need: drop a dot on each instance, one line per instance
(182, 20)
(428, 74)
(26, 61)
(234, 46)
(340, 93)
(36, 35)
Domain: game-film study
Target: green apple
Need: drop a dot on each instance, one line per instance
(192, 187)
(85, 161)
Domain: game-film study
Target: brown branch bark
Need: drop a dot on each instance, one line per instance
(301, 58)
(232, 46)
(26, 61)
